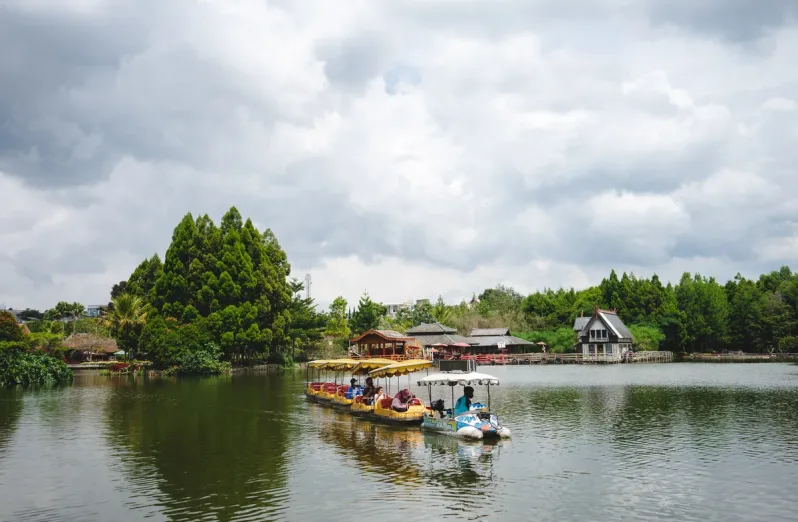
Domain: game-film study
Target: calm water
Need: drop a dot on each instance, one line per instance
(651, 442)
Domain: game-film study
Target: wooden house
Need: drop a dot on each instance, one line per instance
(603, 336)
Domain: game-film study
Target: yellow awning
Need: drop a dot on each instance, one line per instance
(401, 368)
(340, 365)
(366, 365)
(320, 363)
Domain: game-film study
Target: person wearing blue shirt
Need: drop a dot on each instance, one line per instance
(463, 404)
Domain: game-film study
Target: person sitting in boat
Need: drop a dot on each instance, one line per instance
(353, 388)
(463, 404)
(378, 395)
(400, 402)
(369, 391)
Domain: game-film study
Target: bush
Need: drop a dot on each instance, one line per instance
(204, 361)
(18, 366)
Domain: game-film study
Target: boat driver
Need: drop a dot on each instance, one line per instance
(370, 391)
(463, 404)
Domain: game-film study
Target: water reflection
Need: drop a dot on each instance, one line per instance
(204, 449)
(674, 443)
(10, 412)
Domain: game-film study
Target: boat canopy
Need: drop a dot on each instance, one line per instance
(459, 378)
(401, 368)
(366, 365)
(341, 365)
(320, 363)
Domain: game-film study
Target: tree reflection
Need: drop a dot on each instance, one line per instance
(10, 412)
(217, 447)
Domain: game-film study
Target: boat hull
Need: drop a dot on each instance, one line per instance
(466, 426)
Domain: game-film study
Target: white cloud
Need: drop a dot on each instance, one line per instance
(404, 148)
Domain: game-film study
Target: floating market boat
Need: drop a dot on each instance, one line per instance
(476, 423)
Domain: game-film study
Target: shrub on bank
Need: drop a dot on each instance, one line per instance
(19, 366)
(204, 361)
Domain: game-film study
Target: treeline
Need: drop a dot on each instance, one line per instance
(696, 315)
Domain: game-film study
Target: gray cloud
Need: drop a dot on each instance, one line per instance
(587, 135)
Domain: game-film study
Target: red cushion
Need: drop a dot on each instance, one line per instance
(386, 402)
(415, 401)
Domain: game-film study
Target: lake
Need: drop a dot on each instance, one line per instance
(670, 442)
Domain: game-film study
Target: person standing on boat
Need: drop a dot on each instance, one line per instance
(463, 404)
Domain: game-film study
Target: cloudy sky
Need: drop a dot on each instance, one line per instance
(409, 148)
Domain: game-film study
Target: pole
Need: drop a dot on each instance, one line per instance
(488, 397)
(452, 401)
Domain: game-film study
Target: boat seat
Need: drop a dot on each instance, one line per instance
(415, 401)
(385, 403)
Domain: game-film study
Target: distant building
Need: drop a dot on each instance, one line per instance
(382, 343)
(15, 313)
(603, 335)
(392, 309)
(492, 340)
(435, 333)
(93, 310)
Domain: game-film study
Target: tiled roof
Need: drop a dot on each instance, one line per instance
(494, 340)
(580, 323)
(447, 339)
(434, 328)
(480, 332)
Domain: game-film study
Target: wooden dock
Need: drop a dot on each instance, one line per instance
(571, 358)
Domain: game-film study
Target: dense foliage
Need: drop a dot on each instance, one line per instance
(201, 361)
(225, 286)
(9, 329)
(696, 315)
(20, 366)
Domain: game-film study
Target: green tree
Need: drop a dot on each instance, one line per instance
(9, 329)
(126, 321)
(337, 324)
(367, 315)
(646, 338)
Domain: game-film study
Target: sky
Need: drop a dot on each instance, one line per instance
(409, 148)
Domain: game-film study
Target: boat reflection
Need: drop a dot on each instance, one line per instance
(410, 457)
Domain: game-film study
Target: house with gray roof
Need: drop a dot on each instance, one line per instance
(435, 333)
(603, 336)
(491, 340)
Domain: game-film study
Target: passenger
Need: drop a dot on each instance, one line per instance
(463, 404)
(352, 391)
(369, 392)
(378, 395)
(400, 402)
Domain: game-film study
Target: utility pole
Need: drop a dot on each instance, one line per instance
(307, 286)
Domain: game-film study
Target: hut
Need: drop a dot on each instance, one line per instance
(384, 343)
(90, 347)
(494, 340)
(604, 335)
(436, 334)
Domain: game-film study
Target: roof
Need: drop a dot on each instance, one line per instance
(446, 339)
(388, 335)
(494, 340)
(434, 328)
(612, 321)
(461, 378)
(480, 332)
(580, 323)
(91, 342)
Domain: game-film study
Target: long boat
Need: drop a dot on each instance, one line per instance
(344, 397)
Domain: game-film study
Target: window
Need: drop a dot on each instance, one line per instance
(604, 334)
(609, 349)
(592, 334)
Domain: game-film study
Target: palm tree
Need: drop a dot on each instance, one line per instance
(126, 319)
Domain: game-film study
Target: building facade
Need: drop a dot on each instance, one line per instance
(603, 335)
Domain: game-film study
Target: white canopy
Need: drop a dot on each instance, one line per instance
(461, 378)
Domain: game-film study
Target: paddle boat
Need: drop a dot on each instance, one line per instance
(476, 423)
(413, 409)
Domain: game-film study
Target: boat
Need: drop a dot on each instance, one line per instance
(383, 410)
(477, 423)
(341, 396)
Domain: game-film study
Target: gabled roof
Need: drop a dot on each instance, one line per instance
(611, 320)
(447, 339)
(580, 323)
(494, 340)
(434, 328)
(388, 335)
(480, 332)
